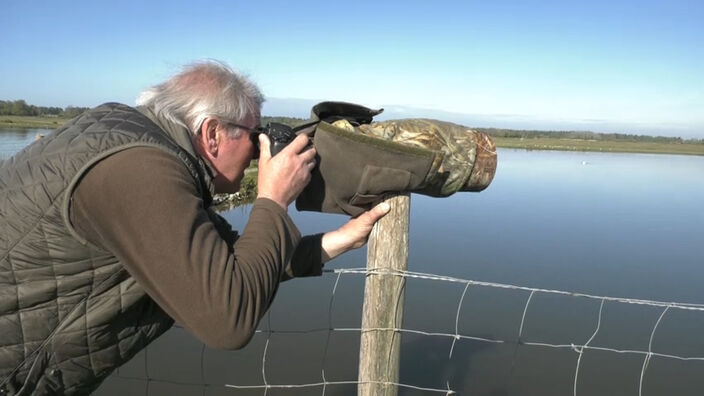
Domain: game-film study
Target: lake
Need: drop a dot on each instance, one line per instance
(617, 225)
(13, 140)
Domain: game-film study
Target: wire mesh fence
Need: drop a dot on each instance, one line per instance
(562, 342)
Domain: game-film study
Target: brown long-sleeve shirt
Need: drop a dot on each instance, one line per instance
(142, 205)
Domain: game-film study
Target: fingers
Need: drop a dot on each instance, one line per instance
(264, 151)
(299, 143)
(308, 155)
(283, 176)
(377, 212)
(301, 148)
(373, 215)
(354, 233)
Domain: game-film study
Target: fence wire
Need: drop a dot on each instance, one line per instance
(324, 384)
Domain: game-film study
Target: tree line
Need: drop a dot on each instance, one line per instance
(21, 108)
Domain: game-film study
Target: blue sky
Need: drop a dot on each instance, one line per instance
(608, 66)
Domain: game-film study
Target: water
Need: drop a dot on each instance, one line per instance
(623, 225)
(13, 140)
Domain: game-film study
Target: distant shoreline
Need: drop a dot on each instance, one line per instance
(604, 146)
(526, 143)
(27, 122)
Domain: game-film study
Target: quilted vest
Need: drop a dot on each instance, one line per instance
(69, 311)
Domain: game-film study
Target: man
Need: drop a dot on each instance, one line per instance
(108, 236)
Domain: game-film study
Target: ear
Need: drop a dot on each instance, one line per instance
(209, 137)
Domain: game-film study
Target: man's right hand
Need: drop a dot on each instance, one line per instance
(283, 176)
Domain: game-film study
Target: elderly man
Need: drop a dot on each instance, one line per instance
(108, 236)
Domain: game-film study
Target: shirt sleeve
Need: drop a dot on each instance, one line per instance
(307, 259)
(142, 205)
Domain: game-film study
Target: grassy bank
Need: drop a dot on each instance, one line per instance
(246, 195)
(543, 143)
(9, 121)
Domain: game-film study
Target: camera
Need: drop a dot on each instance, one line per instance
(279, 135)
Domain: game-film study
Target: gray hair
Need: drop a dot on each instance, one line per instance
(204, 89)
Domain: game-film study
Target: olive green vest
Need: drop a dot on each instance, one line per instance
(69, 312)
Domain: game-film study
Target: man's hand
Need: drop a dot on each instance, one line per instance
(353, 234)
(283, 176)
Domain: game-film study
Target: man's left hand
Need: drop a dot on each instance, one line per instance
(353, 234)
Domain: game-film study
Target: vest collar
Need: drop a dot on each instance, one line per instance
(183, 137)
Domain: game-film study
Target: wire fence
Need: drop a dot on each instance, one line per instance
(333, 384)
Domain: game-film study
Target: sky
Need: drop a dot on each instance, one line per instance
(606, 66)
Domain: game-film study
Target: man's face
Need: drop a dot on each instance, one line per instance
(234, 156)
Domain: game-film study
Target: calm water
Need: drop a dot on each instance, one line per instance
(13, 140)
(623, 225)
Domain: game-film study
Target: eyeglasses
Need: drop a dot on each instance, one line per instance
(253, 135)
(252, 130)
(255, 130)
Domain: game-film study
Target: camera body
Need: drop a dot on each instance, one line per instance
(279, 135)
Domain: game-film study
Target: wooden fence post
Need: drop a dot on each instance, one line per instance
(383, 301)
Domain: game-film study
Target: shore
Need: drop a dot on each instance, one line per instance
(9, 121)
(538, 143)
(608, 146)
